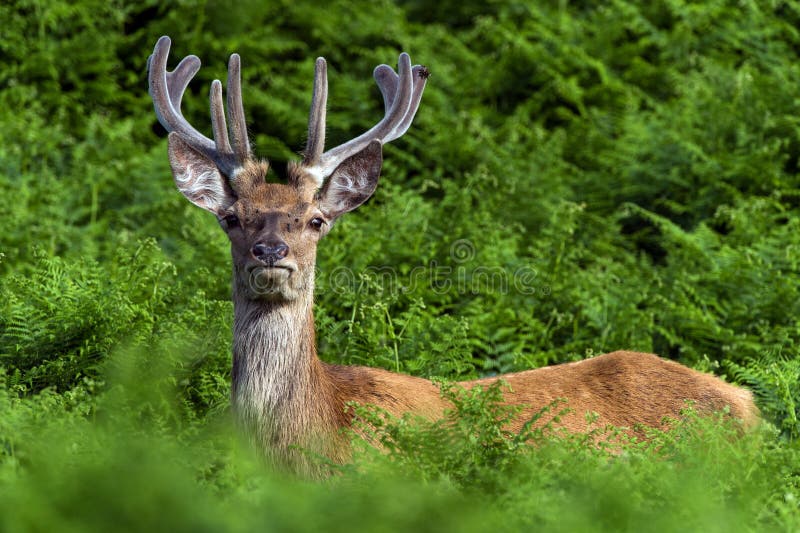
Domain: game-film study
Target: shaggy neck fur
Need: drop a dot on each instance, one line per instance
(280, 390)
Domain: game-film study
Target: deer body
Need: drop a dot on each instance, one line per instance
(288, 397)
(282, 393)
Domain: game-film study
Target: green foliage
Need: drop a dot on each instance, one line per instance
(580, 178)
(60, 325)
(776, 382)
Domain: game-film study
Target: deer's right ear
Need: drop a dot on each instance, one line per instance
(197, 177)
(353, 181)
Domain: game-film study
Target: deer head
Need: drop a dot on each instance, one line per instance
(274, 228)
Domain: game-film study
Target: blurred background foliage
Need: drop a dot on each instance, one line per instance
(580, 178)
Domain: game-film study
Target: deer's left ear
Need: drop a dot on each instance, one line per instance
(198, 177)
(353, 181)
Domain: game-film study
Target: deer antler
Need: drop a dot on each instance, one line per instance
(167, 88)
(401, 97)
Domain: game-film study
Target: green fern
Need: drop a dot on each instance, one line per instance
(775, 380)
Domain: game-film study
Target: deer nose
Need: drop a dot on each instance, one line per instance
(271, 253)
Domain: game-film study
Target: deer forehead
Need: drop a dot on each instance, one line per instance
(271, 203)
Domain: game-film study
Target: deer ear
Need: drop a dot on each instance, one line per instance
(198, 177)
(353, 181)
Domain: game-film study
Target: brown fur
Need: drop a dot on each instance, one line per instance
(623, 388)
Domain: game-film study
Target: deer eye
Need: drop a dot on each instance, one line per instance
(229, 222)
(317, 223)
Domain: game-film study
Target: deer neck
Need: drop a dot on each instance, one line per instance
(280, 391)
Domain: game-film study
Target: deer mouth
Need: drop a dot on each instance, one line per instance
(288, 268)
(259, 268)
(268, 280)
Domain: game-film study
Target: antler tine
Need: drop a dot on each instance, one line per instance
(238, 126)
(419, 76)
(387, 80)
(218, 125)
(401, 100)
(179, 79)
(316, 117)
(401, 97)
(167, 89)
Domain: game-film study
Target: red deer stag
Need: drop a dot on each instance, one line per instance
(282, 393)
